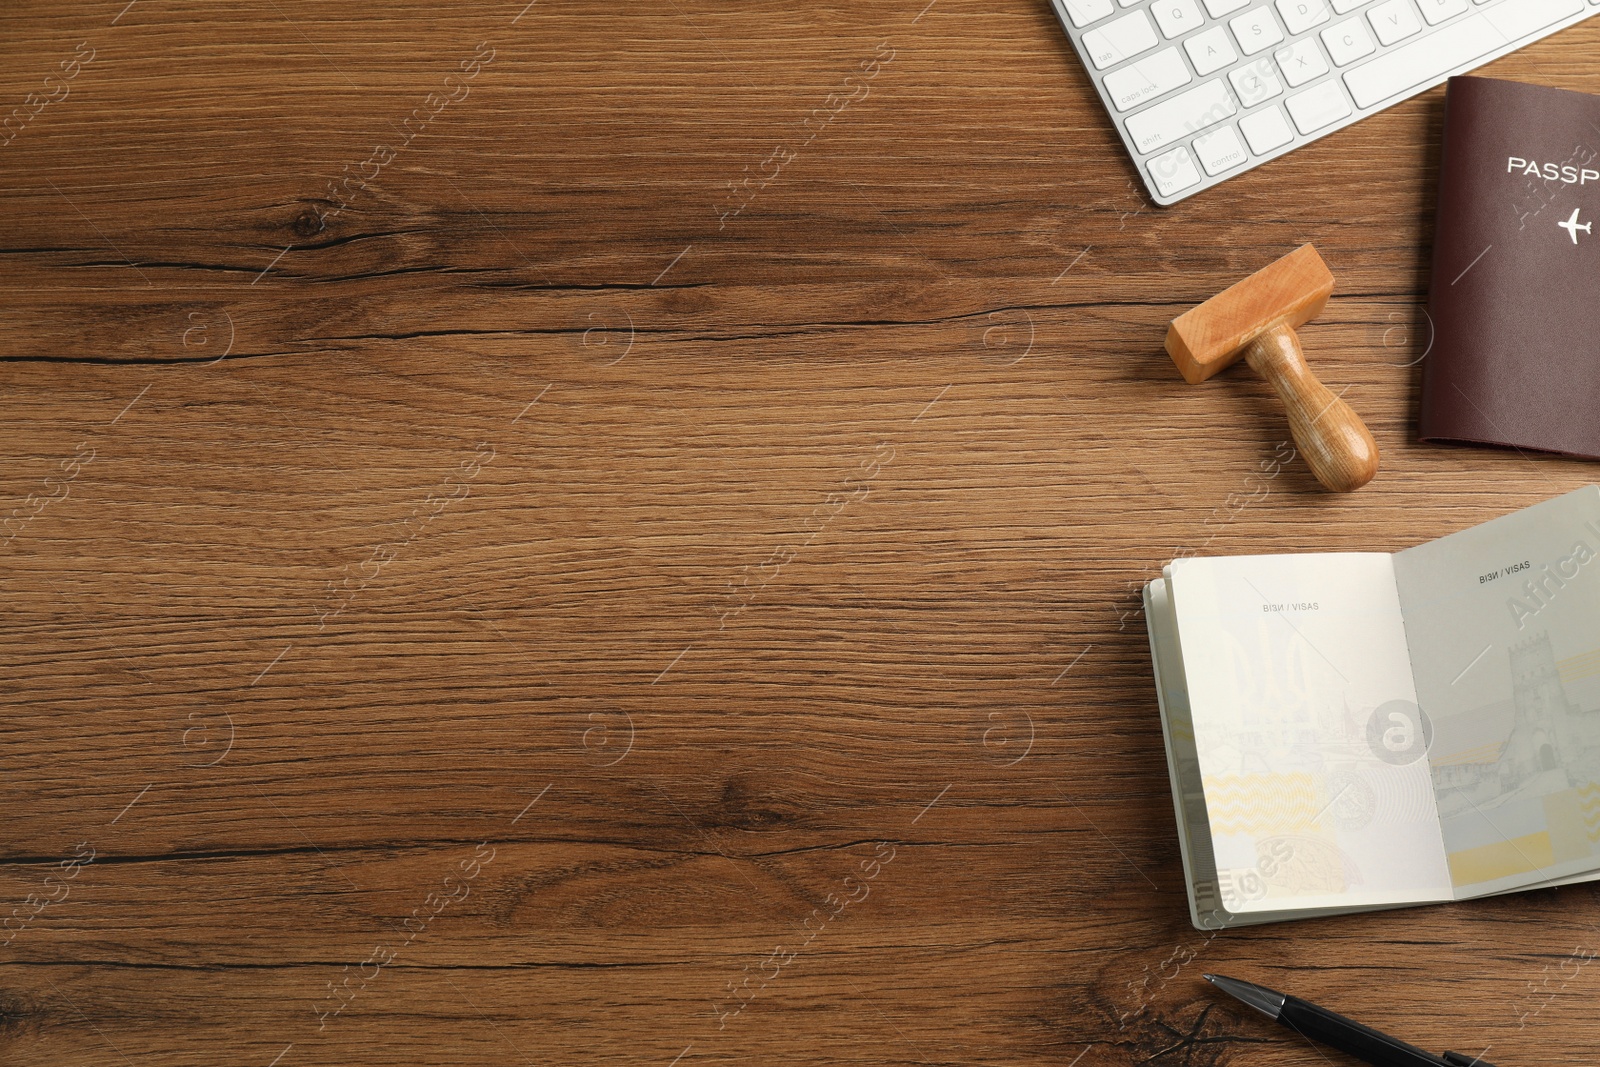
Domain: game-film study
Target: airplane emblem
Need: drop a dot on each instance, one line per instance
(1572, 225)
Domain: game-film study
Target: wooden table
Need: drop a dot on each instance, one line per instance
(583, 534)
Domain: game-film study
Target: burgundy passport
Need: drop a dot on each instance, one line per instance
(1515, 294)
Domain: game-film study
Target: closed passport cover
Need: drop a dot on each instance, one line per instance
(1515, 293)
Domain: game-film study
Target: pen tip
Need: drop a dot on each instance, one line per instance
(1210, 978)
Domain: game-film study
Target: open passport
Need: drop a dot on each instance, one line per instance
(1357, 730)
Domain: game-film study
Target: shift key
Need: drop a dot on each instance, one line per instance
(1189, 112)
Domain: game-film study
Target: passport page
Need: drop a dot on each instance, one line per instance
(1503, 622)
(1177, 732)
(1309, 742)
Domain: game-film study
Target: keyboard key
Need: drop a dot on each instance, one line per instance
(1348, 41)
(1459, 43)
(1301, 15)
(1120, 39)
(1189, 112)
(1256, 30)
(1394, 21)
(1266, 130)
(1083, 12)
(1516, 21)
(1147, 79)
(1220, 151)
(1344, 7)
(1174, 172)
(1436, 11)
(1177, 17)
(1210, 51)
(1219, 8)
(1318, 107)
(1257, 82)
(1301, 62)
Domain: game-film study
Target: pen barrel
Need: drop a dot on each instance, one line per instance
(1351, 1037)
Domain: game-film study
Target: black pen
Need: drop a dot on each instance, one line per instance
(1335, 1031)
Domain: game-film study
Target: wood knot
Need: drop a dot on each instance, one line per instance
(1192, 1035)
(17, 1015)
(308, 223)
(747, 809)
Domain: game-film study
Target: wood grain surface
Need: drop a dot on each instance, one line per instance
(610, 534)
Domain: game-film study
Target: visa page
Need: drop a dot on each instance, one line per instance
(1305, 725)
(1503, 622)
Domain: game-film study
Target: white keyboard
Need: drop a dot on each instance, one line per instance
(1201, 90)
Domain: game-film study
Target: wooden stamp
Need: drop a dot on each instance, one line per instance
(1255, 320)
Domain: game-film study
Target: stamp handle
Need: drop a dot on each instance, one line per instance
(1336, 443)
